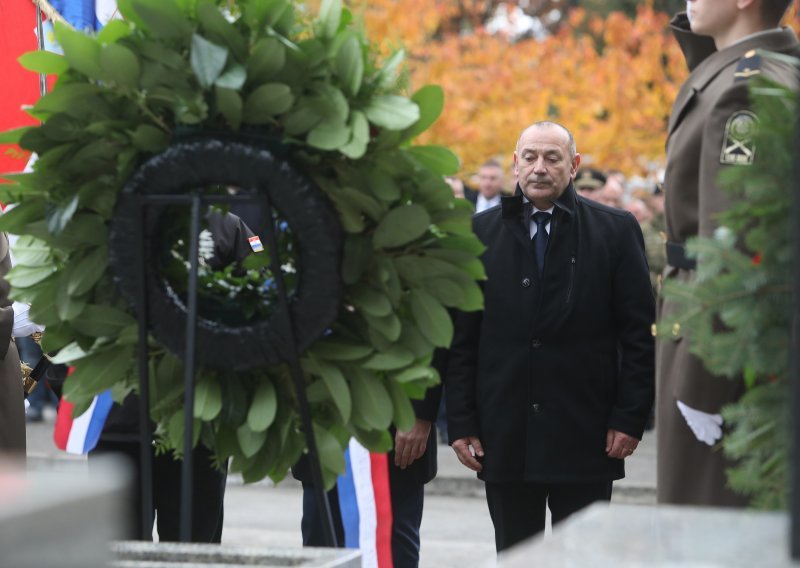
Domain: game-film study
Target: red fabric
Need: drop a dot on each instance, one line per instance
(383, 509)
(17, 86)
(63, 421)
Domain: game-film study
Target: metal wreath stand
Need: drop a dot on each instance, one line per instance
(176, 177)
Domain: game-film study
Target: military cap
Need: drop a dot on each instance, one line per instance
(589, 179)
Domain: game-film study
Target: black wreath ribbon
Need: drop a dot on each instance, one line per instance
(192, 164)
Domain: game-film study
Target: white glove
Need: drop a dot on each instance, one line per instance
(706, 427)
(23, 326)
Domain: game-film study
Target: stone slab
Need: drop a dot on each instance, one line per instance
(60, 519)
(627, 536)
(133, 554)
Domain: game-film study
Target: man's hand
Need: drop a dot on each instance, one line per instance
(410, 446)
(706, 427)
(619, 445)
(467, 456)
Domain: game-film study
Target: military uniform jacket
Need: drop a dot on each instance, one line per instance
(553, 362)
(710, 128)
(12, 397)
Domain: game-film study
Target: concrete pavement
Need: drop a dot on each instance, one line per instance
(456, 528)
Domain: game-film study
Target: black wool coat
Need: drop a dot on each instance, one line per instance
(553, 362)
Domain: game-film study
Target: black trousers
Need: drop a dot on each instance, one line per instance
(518, 510)
(407, 503)
(207, 494)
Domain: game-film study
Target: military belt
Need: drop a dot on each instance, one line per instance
(676, 256)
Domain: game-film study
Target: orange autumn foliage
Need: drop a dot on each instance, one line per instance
(611, 81)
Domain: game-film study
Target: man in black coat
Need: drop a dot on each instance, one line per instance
(549, 388)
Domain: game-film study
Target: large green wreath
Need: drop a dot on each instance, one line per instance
(254, 66)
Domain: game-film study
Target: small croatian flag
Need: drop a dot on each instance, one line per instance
(255, 244)
(80, 435)
(365, 503)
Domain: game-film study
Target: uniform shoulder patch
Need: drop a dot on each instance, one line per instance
(738, 143)
(748, 66)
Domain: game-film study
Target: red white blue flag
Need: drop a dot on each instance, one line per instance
(365, 504)
(80, 435)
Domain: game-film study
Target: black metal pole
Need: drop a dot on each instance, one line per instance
(323, 506)
(794, 372)
(187, 482)
(145, 435)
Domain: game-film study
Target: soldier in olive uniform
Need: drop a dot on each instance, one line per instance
(711, 128)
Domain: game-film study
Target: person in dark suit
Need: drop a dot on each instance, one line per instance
(412, 464)
(550, 386)
(120, 434)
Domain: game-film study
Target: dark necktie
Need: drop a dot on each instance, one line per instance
(541, 237)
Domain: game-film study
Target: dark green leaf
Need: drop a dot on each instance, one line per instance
(229, 104)
(392, 112)
(233, 78)
(14, 135)
(113, 31)
(267, 101)
(389, 72)
(68, 354)
(396, 357)
(383, 185)
(371, 401)
(389, 325)
(330, 13)
(58, 217)
(45, 62)
(14, 221)
(207, 399)
(340, 351)
(401, 226)
(149, 138)
(82, 51)
(430, 100)
(102, 321)
(68, 306)
(357, 252)
(164, 19)
(359, 138)
(250, 442)
(267, 58)
(219, 29)
(208, 60)
(120, 65)
(337, 387)
(403, 412)
(370, 300)
(98, 372)
(264, 407)
(331, 454)
(330, 134)
(349, 65)
(433, 320)
(85, 273)
(437, 159)
(24, 276)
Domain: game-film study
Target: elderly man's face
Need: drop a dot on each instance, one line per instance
(543, 164)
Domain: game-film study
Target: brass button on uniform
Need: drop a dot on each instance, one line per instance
(526, 282)
(536, 407)
(536, 343)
